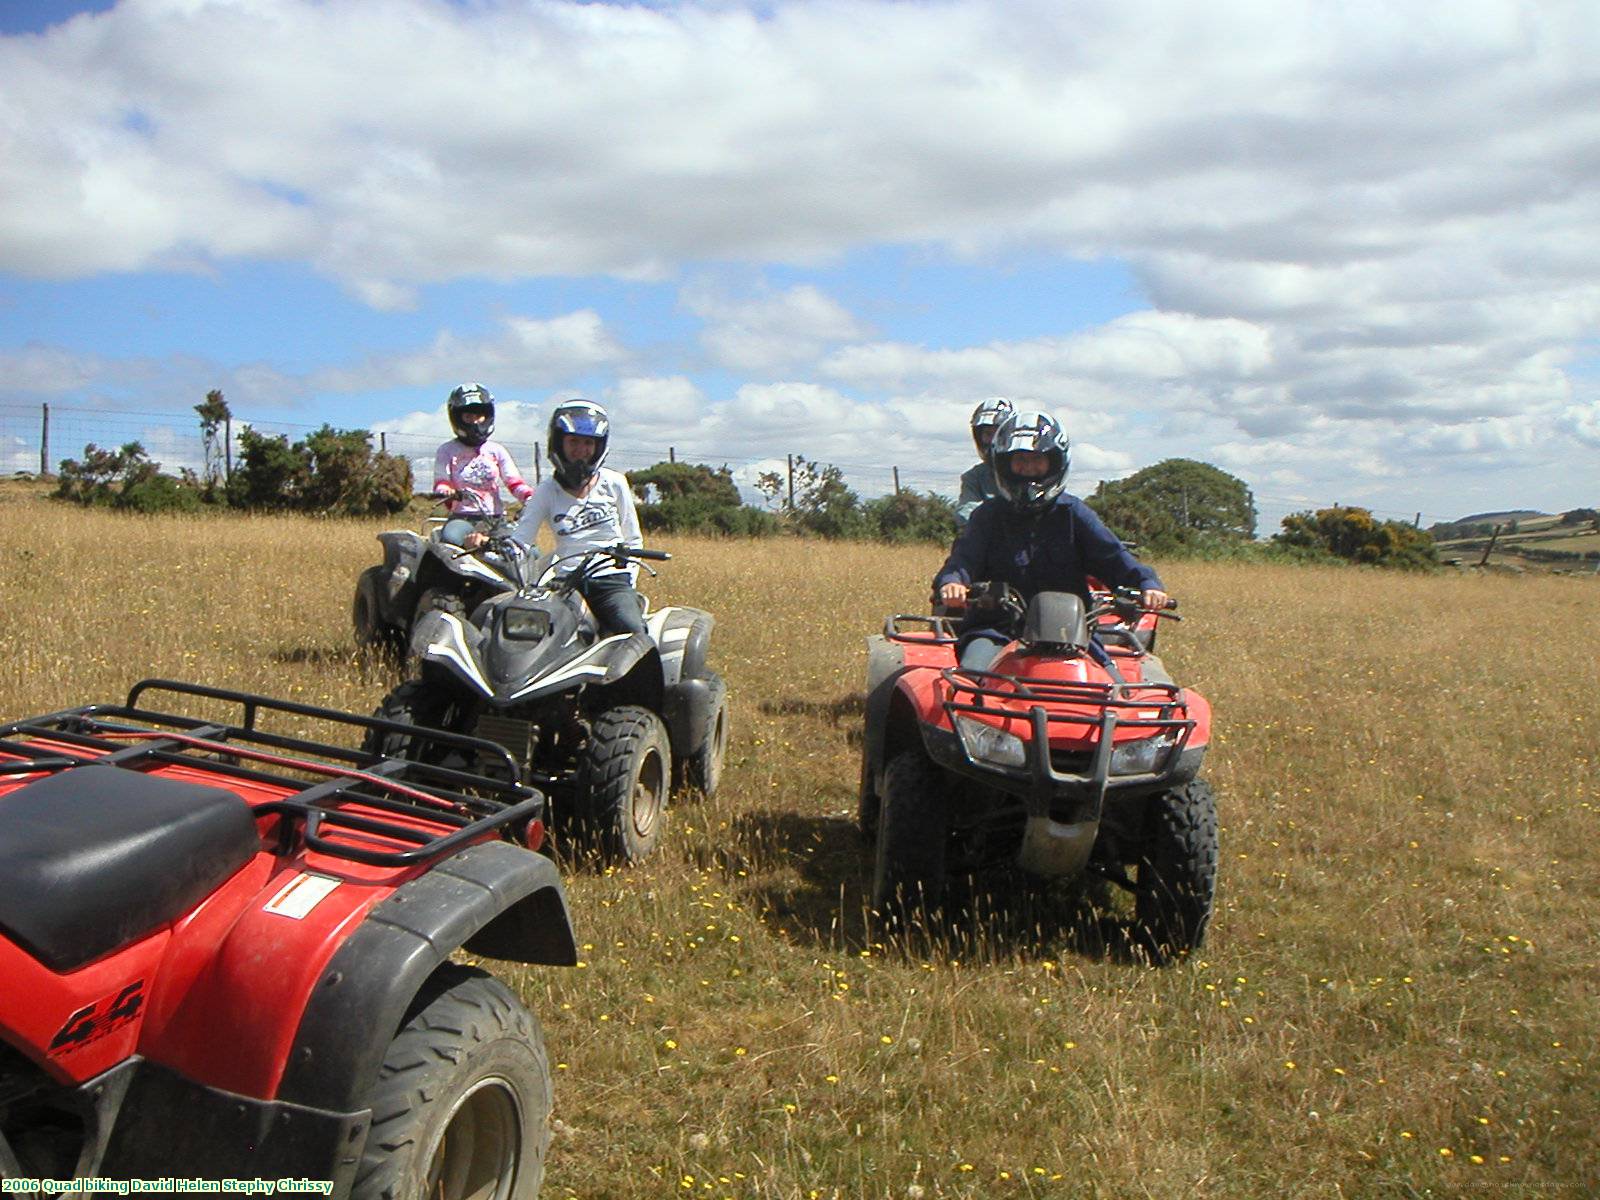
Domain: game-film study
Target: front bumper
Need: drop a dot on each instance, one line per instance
(1064, 795)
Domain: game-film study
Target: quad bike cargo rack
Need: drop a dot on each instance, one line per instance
(346, 803)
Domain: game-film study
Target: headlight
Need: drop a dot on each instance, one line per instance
(527, 624)
(1139, 758)
(986, 744)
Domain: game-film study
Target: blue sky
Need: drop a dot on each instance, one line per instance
(1344, 255)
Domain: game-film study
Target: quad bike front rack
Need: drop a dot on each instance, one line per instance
(351, 804)
(1054, 843)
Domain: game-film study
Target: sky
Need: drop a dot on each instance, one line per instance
(1346, 252)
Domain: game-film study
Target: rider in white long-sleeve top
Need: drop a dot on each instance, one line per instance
(587, 507)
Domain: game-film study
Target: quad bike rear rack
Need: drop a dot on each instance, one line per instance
(350, 804)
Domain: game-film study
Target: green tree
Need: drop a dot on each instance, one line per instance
(331, 471)
(694, 498)
(214, 416)
(823, 502)
(1178, 503)
(270, 473)
(126, 479)
(911, 517)
(1355, 535)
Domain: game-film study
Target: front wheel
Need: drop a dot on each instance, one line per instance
(1177, 870)
(623, 780)
(366, 613)
(908, 873)
(414, 702)
(461, 1106)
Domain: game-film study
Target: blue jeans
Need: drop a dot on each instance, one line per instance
(616, 604)
(455, 530)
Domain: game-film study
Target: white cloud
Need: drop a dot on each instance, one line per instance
(524, 351)
(768, 332)
(1365, 233)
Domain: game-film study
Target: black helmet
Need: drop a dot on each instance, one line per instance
(1041, 433)
(988, 415)
(586, 419)
(471, 399)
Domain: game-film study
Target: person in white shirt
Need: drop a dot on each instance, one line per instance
(588, 507)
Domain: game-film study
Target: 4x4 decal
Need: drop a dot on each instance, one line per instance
(90, 1023)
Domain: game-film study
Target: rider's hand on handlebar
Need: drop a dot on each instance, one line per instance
(954, 593)
(475, 539)
(1154, 598)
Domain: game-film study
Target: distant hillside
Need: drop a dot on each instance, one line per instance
(1520, 514)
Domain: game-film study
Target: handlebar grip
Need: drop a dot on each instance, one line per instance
(654, 555)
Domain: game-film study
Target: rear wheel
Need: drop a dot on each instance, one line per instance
(703, 768)
(623, 780)
(908, 874)
(1177, 871)
(461, 1106)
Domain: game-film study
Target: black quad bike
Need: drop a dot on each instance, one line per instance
(1074, 752)
(420, 573)
(226, 949)
(606, 725)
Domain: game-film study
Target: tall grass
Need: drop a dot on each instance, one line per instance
(1398, 998)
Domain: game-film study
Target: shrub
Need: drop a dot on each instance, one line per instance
(1354, 535)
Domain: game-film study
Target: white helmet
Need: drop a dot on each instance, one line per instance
(988, 415)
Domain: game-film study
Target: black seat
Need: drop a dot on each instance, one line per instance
(98, 856)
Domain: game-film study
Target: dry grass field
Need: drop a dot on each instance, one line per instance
(1399, 997)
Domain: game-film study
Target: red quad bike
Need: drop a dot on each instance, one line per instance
(1068, 755)
(226, 954)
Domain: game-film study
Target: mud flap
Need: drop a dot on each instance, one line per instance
(689, 709)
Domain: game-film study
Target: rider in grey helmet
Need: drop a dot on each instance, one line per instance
(977, 482)
(1034, 535)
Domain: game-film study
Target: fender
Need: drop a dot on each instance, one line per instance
(684, 638)
(443, 638)
(402, 552)
(608, 661)
(689, 708)
(496, 899)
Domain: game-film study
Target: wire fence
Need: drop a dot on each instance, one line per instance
(35, 439)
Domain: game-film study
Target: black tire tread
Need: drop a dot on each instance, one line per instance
(459, 1010)
(617, 738)
(1177, 873)
(913, 838)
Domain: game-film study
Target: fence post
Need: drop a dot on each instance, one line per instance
(44, 444)
(536, 478)
(791, 483)
(1493, 537)
(896, 481)
(227, 446)
(383, 442)
(672, 454)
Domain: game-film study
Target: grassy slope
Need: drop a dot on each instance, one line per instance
(1398, 999)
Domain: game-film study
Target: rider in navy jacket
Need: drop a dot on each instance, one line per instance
(1034, 535)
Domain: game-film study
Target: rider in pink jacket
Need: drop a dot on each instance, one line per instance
(469, 470)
